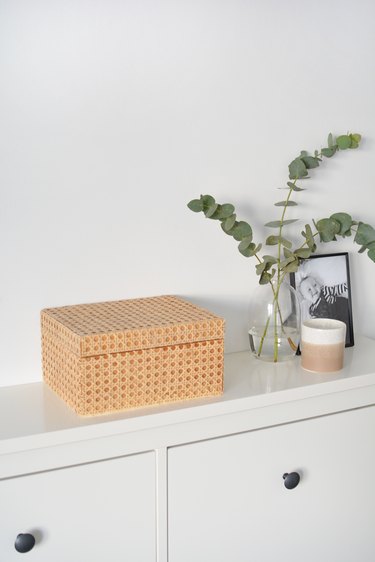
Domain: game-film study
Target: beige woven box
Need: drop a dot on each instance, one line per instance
(111, 356)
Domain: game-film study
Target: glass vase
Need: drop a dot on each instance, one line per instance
(274, 322)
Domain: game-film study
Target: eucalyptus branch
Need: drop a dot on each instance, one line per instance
(328, 229)
(287, 259)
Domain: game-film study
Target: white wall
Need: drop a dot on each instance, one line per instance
(114, 114)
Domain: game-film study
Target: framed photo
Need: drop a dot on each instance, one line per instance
(322, 283)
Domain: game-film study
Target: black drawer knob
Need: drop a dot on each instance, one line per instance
(291, 480)
(24, 542)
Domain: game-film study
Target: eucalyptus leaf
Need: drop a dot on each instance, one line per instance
(308, 235)
(210, 211)
(195, 205)
(328, 152)
(228, 231)
(245, 243)
(355, 140)
(249, 251)
(297, 169)
(277, 224)
(303, 253)
(311, 162)
(330, 140)
(273, 240)
(207, 201)
(365, 234)
(224, 211)
(343, 142)
(213, 212)
(288, 260)
(328, 228)
(345, 222)
(229, 223)
(266, 277)
(290, 221)
(291, 267)
(287, 253)
(286, 204)
(241, 230)
(294, 187)
(356, 137)
(260, 267)
(269, 259)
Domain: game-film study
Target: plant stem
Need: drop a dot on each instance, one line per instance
(280, 278)
(279, 281)
(276, 311)
(263, 335)
(275, 348)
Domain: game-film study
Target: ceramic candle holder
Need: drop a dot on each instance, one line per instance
(322, 345)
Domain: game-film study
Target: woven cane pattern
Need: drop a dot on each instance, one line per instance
(111, 379)
(62, 371)
(107, 383)
(110, 327)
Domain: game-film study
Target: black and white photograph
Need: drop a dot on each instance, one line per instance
(323, 286)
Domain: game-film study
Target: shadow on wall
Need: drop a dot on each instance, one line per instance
(234, 310)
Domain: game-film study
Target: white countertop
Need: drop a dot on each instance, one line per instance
(34, 411)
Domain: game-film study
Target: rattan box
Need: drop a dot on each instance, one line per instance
(111, 356)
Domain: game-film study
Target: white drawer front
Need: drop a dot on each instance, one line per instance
(228, 502)
(96, 512)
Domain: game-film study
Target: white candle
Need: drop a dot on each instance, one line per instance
(322, 345)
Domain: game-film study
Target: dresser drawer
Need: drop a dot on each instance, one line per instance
(228, 500)
(93, 512)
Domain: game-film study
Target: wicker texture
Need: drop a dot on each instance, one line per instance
(112, 356)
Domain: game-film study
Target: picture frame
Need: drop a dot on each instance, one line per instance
(323, 287)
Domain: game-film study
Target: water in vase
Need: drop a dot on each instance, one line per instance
(281, 347)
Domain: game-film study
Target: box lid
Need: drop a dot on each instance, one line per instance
(128, 325)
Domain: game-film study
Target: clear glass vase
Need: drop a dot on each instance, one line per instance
(274, 322)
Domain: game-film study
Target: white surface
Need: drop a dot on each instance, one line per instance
(271, 419)
(230, 496)
(32, 416)
(114, 114)
(34, 411)
(83, 513)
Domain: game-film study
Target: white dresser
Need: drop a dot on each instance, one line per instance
(201, 481)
